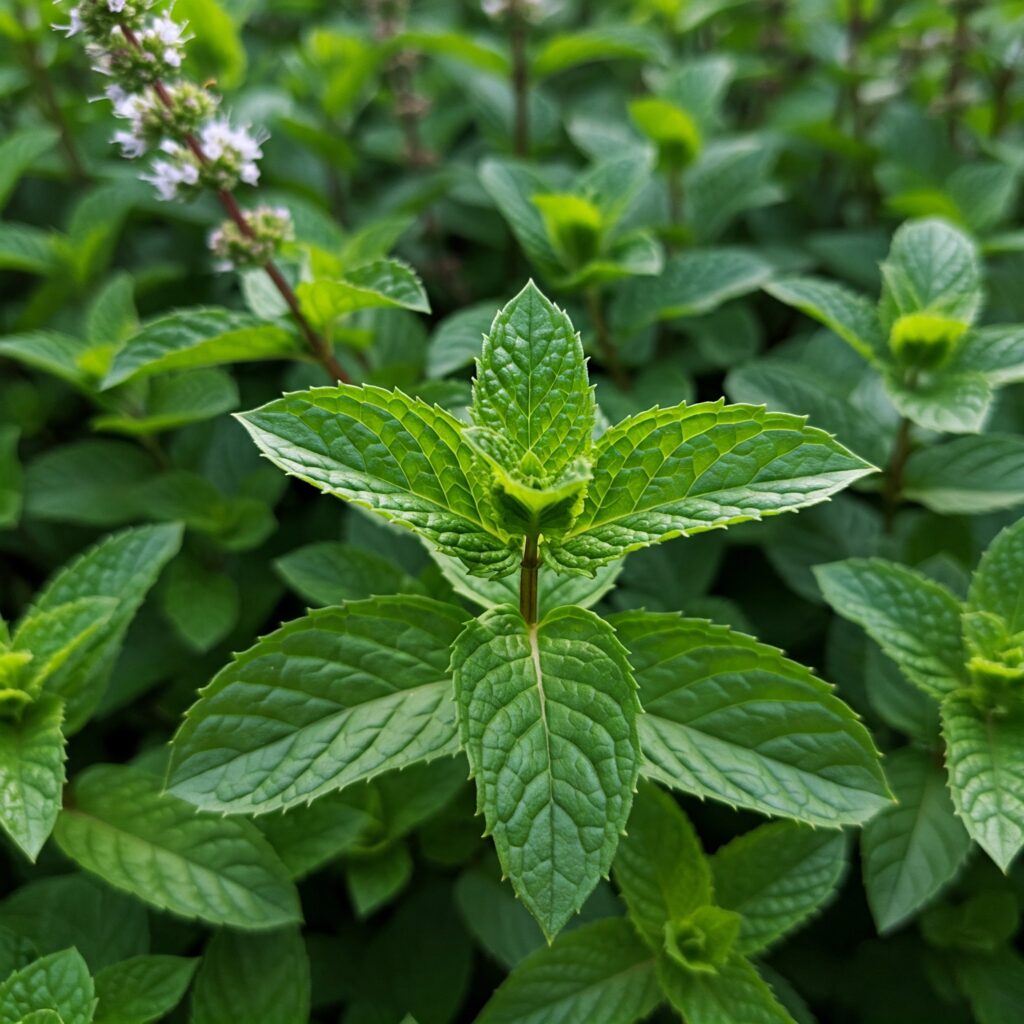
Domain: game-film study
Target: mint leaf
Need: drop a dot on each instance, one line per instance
(777, 876)
(985, 761)
(997, 585)
(119, 825)
(202, 336)
(914, 849)
(396, 455)
(679, 471)
(253, 977)
(142, 989)
(915, 620)
(660, 866)
(531, 385)
(376, 881)
(601, 973)
(955, 403)
(10, 477)
(59, 982)
(327, 719)
(846, 313)
(996, 352)
(804, 755)
(32, 774)
(968, 476)
(547, 715)
(332, 572)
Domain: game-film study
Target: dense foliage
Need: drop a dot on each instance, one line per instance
(573, 306)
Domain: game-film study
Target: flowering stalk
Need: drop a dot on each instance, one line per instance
(199, 149)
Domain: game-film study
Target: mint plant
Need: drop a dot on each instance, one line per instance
(546, 707)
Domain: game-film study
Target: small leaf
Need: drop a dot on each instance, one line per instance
(955, 403)
(396, 455)
(599, 43)
(120, 826)
(332, 572)
(201, 336)
(913, 850)
(343, 694)
(729, 718)
(915, 620)
(142, 989)
(600, 973)
(19, 151)
(997, 585)
(50, 351)
(59, 982)
(374, 882)
(29, 249)
(996, 352)
(985, 761)
(547, 715)
(261, 978)
(201, 603)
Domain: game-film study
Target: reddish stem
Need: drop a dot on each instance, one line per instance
(318, 345)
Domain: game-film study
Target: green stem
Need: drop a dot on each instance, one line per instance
(609, 354)
(529, 578)
(893, 488)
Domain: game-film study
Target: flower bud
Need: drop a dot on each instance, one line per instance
(924, 341)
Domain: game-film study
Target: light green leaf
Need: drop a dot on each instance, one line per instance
(28, 249)
(729, 718)
(142, 989)
(10, 477)
(119, 825)
(396, 455)
(59, 982)
(50, 351)
(261, 978)
(679, 471)
(32, 774)
(660, 866)
(736, 992)
(913, 850)
(600, 973)
(332, 572)
(691, 284)
(19, 151)
(985, 761)
(531, 386)
(968, 475)
(547, 715)
(932, 267)
(604, 42)
(915, 620)
(122, 567)
(846, 313)
(478, 53)
(343, 694)
(201, 336)
(954, 403)
(777, 876)
(997, 352)
(997, 585)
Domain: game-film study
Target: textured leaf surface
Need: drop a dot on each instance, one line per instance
(660, 866)
(120, 826)
(736, 993)
(679, 471)
(197, 337)
(59, 982)
(32, 774)
(142, 989)
(968, 476)
(777, 876)
(915, 620)
(953, 403)
(996, 352)
(600, 973)
(997, 585)
(328, 700)
(912, 850)
(547, 715)
(531, 383)
(261, 978)
(730, 718)
(985, 761)
(396, 455)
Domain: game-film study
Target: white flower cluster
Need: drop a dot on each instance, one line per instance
(268, 228)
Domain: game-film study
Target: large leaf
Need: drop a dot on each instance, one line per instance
(547, 715)
(32, 774)
(985, 760)
(261, 978)
(997, 585)
(142, 989)
(911, 851)
(915, 620)
(59, 982)
(777, 876)
(600, 973)
(531, 384)
(119, 825)
(969, 475)
(202, 336)
(730, 718)
(328, 700)
(690, 468)
(396, 455)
